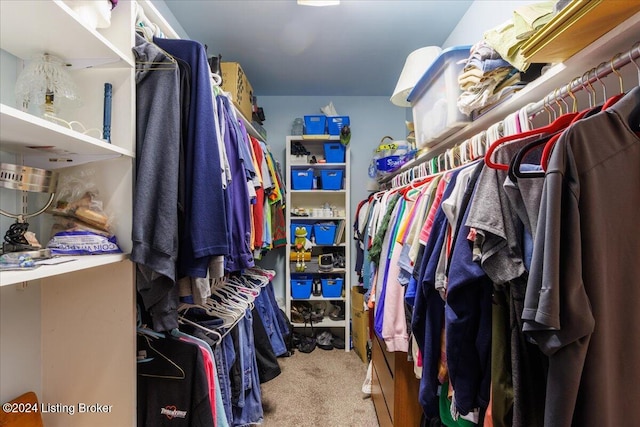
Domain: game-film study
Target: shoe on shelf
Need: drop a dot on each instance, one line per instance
(338, 261)
(338, 311)
(330, 309)
(324, 340)
(303, 312)
(337, 314)
(318, 312)
(296, 316)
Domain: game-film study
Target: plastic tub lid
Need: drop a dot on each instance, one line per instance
(434, 68)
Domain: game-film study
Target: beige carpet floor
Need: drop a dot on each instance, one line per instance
(322, 388)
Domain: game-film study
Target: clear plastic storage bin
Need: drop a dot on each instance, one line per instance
(434, 99)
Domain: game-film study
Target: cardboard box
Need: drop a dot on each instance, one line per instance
(359, 323)
(360, 333)
(357, 298)
(235, 81)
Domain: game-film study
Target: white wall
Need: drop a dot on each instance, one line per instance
(371, 117)
(20, 327)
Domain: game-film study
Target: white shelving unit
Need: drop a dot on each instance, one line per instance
(67, 330)
(307, 200)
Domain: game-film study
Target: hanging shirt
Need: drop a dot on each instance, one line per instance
(240, 255)
(155, 221)
(428, 313)
(581, 302)
(205, 228)
(468, 326)
(172, 388)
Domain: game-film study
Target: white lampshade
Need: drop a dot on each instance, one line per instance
(415, 66)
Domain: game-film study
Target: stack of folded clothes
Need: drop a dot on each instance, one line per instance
(486, 79)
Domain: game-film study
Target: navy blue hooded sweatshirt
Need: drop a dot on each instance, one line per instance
(205, 228)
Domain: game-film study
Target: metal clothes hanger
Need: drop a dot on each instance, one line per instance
(590, 91)
(615, 98)
(186, 321)
(636, 46)
(597, 76)
(181, 374)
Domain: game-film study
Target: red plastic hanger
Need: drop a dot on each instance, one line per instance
(548, 148)
(557, 125)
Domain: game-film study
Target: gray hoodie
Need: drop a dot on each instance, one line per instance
(155, 204)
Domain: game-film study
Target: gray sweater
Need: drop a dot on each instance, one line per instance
(155, 203)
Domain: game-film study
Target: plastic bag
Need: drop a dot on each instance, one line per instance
(82, 243)
(77, 197)
(390, 156)
(366, 386)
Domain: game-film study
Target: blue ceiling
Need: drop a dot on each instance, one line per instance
(355, 49)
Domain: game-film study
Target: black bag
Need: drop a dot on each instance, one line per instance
(307, 343)
(289, 336)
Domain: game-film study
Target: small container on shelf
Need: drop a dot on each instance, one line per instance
(302, 179)
(299, 160)
(331, 179)
(315, 125)
(334, 152)
(308, 227)
(298, 126)
(325, 233)
(335, 123)
(332, 287)
(301, 287)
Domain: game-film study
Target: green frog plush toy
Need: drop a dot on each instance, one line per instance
(300, 245)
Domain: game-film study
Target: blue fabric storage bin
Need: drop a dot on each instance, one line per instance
(301, 287)
(325, 233)
(331, 179)
(334, 152)
(302, 179)
(315, 125)
(335, 123)
(332, 288)
(309, 228)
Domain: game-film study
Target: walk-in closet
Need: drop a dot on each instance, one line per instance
(294, 213)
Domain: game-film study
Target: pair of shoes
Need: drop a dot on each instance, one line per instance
(296, 316)
(338, 261)
(301, 312)
(325, 341)
(318, 312)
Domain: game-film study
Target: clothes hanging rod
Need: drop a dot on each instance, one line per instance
(593, 75)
